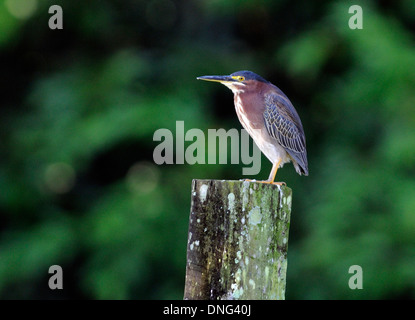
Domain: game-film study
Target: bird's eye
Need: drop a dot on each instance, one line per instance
(238, 78)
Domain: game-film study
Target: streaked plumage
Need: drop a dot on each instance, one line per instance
(285, 126)
(269, 117)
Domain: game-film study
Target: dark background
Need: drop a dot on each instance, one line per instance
(79, 107)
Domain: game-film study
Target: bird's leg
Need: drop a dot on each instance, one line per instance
(272, 175)
(273, 172)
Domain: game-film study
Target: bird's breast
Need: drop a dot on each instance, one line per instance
(249, 111)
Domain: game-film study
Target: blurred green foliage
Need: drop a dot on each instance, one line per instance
(79, 107)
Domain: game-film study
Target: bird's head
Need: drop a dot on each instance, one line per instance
(238, 81)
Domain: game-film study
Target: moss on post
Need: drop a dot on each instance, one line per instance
(238, 239)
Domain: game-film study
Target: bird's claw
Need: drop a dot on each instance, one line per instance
(280, 183)
(267, 182)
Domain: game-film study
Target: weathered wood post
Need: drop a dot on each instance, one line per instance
(238, 239)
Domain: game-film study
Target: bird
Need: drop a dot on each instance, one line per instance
(270, 118)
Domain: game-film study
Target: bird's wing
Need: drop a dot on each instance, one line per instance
(283, 124)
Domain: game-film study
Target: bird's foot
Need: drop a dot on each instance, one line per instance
(282, 183)
(272, 182)
(267, 182)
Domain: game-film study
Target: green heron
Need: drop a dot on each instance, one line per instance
(270, 119)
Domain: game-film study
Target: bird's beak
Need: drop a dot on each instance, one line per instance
(217, 78)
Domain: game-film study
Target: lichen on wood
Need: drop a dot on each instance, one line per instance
(238, 240)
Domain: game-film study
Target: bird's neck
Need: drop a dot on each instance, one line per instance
(238, 90)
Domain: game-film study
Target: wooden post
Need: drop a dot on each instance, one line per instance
(237, 242)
